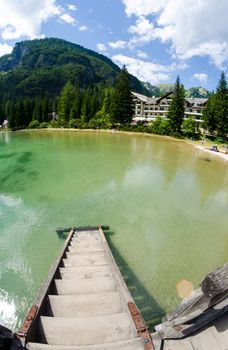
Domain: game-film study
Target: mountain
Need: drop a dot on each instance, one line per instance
(45, 65)
(162, 89)
(199, 92)
(156, 90)
(150, 90)
(165, 88)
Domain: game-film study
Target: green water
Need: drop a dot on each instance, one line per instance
(166, 204)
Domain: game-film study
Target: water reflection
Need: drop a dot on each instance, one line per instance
(16, 275)
(5, 137)
(8, 311)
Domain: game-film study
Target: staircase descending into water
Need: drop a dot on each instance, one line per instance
(85, 303)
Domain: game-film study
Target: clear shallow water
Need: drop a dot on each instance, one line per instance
(166, 204)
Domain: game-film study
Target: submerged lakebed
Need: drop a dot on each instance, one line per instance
(165, 202)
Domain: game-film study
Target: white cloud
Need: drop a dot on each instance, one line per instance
(83, 28)
(119, 44)
(147, 71)
(143, 7)
(24, 18)
(143, 32)
(202, 77)
(65, 17)
(141, 54)
(5, 49)
(191, 27)
(71, 7)
(101, 47)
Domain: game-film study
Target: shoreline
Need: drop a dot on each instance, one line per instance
(205, 148)
(106, 131)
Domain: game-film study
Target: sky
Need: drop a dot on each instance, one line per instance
(156, 39)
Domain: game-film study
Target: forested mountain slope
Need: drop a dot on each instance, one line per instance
(45, 65)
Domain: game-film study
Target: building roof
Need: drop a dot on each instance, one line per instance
(196, 101)
(153, 100)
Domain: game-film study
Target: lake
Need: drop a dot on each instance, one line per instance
(165, 202)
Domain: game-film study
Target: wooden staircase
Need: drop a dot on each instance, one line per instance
(89, 309)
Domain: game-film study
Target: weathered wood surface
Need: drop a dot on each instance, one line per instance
(215, 282)
(199, 309)
(186, 325)
(213, 337)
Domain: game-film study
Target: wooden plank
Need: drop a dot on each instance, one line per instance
(180, 344)
(132, 344)
(104, 303)
(75, 286)
(88, 272)
(169, 331)
(87, 330)
(205, 340)
(220, 330)
(185, 306)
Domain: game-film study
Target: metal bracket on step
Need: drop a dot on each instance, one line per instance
(23, 331)
(141, 327)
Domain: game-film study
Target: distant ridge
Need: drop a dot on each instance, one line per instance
(162, 89)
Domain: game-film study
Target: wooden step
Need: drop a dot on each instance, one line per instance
(88, 304)
(87, 236)
(85, 261)
(86, 248)
(69, 286)
(133, 344)
(91, 254)
(90, 246)
(87, 330)
(85, 272)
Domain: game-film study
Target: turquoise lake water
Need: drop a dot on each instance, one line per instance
(165, 201)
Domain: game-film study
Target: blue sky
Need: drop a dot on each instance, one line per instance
(156, 40)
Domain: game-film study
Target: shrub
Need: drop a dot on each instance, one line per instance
(34, 124)
(73, 123)
(43, 125)
(161, 126)
(189, 127)
(220, 140)
(54, 124)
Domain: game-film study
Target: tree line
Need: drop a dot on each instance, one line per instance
(75, 107)
(113, 107)
(215, 114)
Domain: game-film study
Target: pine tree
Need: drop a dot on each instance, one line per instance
(75, 111)
(177, 108)
(45, 108)
(27, 110)
(215, 114)
(9, 112)
(37, 111)
(221, 107)
(66, 99)
(107, 102)
(209, 118)
(122, 102)
(85, 110)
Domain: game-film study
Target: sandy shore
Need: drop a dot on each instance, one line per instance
(222, 154)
